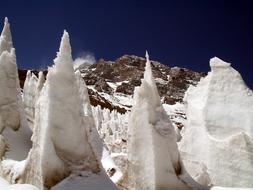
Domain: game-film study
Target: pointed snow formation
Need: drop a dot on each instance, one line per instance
(60, 142)
(148, 71)
(219, 130)
(148, 78)
(10, 99)
(84, 94)
(6, 39)
(153, 156)
(89, 122)
(29, 93)
(63, 61)
(39, 85)
(12, 116)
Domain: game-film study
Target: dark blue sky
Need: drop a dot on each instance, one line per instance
(177, 33)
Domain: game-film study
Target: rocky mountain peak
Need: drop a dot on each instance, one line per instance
(126, 73)
(128, 69)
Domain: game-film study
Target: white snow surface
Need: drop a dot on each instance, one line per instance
(4, 185)
(218, 138)
(110, 165)
(86, 181)
(19, 143)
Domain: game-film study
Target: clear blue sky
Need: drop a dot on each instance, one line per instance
(177, 33)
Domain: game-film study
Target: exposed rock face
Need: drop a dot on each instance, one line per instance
(128, 71)
(171, 82)
(218, 137)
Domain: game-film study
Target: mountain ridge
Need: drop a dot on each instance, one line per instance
(127, 71)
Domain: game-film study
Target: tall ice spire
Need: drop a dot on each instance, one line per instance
(148, 78)
(6, 39)
(64, 57)
(153, 157)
